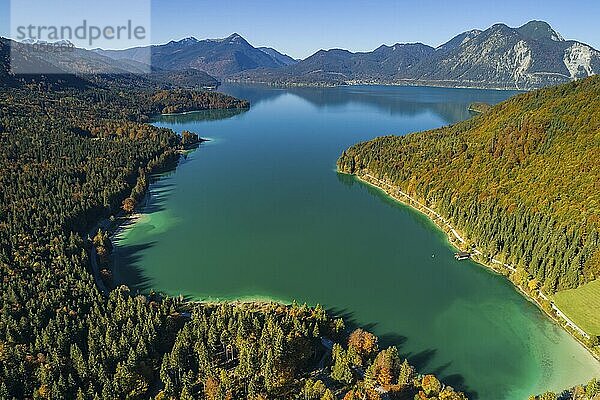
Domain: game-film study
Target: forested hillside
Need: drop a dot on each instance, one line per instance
(68, 158)
(522, 181)
(72, 156)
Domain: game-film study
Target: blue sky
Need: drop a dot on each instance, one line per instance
(300, 28)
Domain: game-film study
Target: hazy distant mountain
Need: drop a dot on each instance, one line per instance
(281, 58)
(53, 75)
(217, 57)
(383, 61)
(340, 66)
(82, 67)
(531, 56)
(527, 57)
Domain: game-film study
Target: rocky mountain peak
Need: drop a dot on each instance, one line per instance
(538, 30)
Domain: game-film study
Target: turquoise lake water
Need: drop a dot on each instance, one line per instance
(259, 212)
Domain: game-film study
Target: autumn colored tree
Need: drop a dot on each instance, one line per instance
(406, 374)
(128, 205)
(448, 393)
(328, 395)
(533, 285)
(548, 396)
(313, 389)
(592, 389)
(360, 392)
(431, 385)
(385, 369)
(102, 243)
(363, 344)
(212, 389)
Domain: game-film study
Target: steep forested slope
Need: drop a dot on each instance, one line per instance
(522, 180)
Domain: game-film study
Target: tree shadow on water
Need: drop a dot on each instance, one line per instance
(349, 321)
(392, 339)
(160, 192)
(424, 361)
(347, 180)
(127, 258)
(130, 271)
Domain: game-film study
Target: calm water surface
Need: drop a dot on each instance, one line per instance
(259, 212)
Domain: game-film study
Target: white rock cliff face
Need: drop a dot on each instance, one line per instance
(522, 61)
(578, 60)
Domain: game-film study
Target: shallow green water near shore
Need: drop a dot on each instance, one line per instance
(259, 212)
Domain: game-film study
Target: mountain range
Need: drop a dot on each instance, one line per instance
(528, 57)
(531, 56)
(85, 68)
(217, 57)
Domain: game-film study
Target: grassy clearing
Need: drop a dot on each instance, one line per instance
(582, 305)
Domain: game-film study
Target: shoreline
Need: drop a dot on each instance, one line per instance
(505, 270)
(121, 223)
(180, 113)
(118, 225)
(407, 83)
(113, 227)
(197, 111)
(128, 220)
